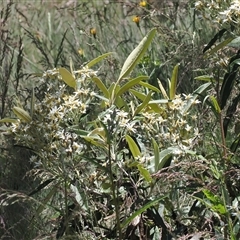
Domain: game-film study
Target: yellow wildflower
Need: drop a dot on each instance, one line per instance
(93, 31)
(136, 19)
(143, 4)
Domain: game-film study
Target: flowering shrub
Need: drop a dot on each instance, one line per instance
(108, 158)
(118, 141)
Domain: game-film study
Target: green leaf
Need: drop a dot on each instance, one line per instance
(173, 83)
(98, 59)
(102, 97)
(141, 210)
(106, 132)
(67, 77)
(41, 186)
(133, 147)
(120, 103)
(207, 78)
(8, 120)
(156, 155)
(144, 173)
(79, 197)
(136, 54)
(219, 46)
(217, 36)
(216, 202)
(165, 158)
(215, 104)
(111, 88)
(130, 84)
(101, 86)
(139, 95)
(155, 107)
(79, 131)
(149, 86)
(95, 140)
(164, 93)
(22, 114)
(144, 104)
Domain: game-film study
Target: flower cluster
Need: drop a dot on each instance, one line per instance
(48, 134)
(170, 125)
(220, 11)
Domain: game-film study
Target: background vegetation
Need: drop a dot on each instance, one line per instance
(108, 149)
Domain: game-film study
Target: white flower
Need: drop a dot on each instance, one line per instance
(188, 128)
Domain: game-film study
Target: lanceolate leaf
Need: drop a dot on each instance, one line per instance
(98, 59)
(8, 120)
(136, 54)
(22, 114)
(67, 77)
(215, 104)
(41, 186)
(130, 84)
(144, 173)
(133, 147)
(164, 93)
(156, 154)
(207, 78)
(144, 104)
(141, 210)
(219, 46)
(139, 95)
(214, 39)
(101, 86)
(149, 86)
(173, 84)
